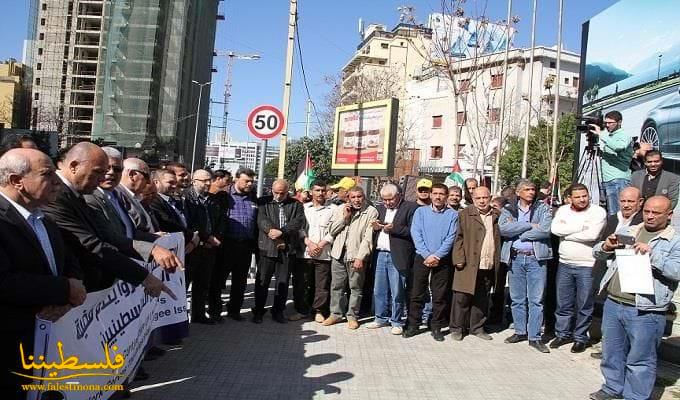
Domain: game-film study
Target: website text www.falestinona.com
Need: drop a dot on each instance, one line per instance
(70, 387)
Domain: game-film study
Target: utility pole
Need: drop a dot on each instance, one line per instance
(292, 21)
(553, 154)
(198, 115)
(525, 151)
(309, 113)
(499, 146)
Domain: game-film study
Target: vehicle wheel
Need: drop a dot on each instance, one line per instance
(649, 134)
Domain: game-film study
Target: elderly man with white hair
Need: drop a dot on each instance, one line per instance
(136, 175)
(393, 258)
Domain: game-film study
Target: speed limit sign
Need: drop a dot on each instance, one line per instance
(265, 122)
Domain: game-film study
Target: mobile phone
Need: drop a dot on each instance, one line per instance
(625, 239)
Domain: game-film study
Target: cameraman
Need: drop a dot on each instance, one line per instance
(617, 152)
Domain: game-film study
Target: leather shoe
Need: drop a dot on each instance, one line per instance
(483, 335)
(409, 332)
(457, 336)
(597, 356)
(516, 338)
(579, 347)
(602, 395)
(203, 321)
(437, 334)
(331, 320)
(257, 318)
(278, 317)
(235, 317)
(559, 341)
(538, 345)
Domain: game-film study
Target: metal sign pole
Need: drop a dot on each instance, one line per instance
(260, 171)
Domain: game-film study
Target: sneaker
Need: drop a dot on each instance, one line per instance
(319, 318)
(332, 320)
(539, 345)
(602, 395)
(396, 330)
(375, 325)
(516, 338)
(296, 316)
(353, 324)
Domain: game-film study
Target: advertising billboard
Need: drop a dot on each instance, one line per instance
(364, 138)
(464, 37)
(631, 63)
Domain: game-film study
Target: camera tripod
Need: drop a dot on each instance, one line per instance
(590, 171)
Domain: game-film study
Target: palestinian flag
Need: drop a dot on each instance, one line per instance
(455, 178)
(305, 173)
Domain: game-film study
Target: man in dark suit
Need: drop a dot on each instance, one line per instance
(654, 181)
(136, 175)
(203, 217)
(279, 219)
(38, 276)
(170, 212)
(103, 255)
(108, 203)
(393, 258)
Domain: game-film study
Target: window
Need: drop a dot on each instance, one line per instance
(37, 81)
(574, 81)
(40, 51)
(42, 21)
(552, 64)
(436, 122)
(566, 81)
(493, 115)
(436, 152)
(44, 6)
(384, 45)
(38, 66)
(41, 36)
(496, 81)
(464, 85)
(461, 118)
(36, 96)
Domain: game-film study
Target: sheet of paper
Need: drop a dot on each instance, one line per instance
(635, 272)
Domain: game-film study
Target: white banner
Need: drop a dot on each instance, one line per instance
(101, 342)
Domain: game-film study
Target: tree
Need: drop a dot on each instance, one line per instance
(271, 169)
(538, 163)
(320, 150)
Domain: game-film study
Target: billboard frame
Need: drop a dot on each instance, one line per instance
(386, 167)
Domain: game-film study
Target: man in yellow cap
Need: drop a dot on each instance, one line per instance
(423, 189)
(340, 190)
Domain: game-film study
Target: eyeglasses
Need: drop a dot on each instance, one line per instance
(144, 174)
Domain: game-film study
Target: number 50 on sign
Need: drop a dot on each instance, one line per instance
(265, 122)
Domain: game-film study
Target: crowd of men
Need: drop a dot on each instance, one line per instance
(441, 261)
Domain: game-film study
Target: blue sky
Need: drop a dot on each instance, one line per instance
(329, 36)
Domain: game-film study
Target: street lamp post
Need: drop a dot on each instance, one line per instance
(658, 69)
(198, 114)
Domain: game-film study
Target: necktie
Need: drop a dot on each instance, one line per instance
(121, 210)
(44, 239)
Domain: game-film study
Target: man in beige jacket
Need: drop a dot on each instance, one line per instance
(352, 245)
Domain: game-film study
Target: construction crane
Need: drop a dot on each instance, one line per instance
(231, 56)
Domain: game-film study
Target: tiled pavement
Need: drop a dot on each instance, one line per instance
(304, 360)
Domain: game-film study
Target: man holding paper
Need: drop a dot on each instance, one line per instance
(633, 323)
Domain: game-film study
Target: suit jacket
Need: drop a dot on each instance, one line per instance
(467, 248)
(142, 241)
(135, 209)
(203, 216)
(26, 280)
(103, 257)
(168, 220)
(268, 218)
(669, 184)
(402, 248)
(613, 221)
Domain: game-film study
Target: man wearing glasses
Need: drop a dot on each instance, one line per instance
(617, 151)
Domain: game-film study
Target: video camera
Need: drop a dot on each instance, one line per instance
(584, 122)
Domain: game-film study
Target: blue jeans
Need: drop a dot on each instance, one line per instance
(389, 288)
(612, 189)
(527, 278)
(574, 311)
(630, 341)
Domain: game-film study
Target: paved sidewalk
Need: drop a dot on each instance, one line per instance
(304, 360)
